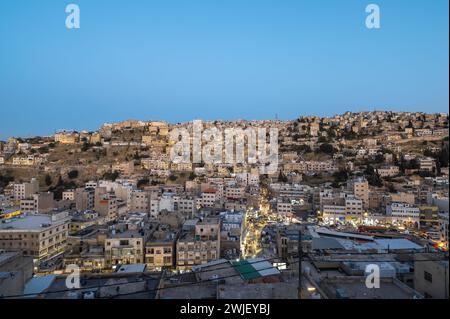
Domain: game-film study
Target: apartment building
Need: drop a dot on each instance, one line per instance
(236, 205)
(185, 206)
(66, 137)
(126, 168)
(427, 164)
(25, 190)
(69, 195)
(431, 277)
(403, 197)
(209, 197)
(83, 220)
(234, 192)
(429, 216)
(139, 201)
(404, 213)
(124, 246)
(199, 245)
(232, 230)
(284, 208)
(39, 236)
(361, 191)
(41, 203)
(160, 249)
(388, 171)
(84, 199)
(354, 207)
(107, 206)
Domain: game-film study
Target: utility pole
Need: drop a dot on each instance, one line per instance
(300, 257)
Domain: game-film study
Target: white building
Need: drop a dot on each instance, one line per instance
(25, 190)
(403, 213)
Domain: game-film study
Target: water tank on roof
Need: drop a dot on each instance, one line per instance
(73, 295)
(89, 295)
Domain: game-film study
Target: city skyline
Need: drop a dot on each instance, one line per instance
(176, 62)
(69, 129)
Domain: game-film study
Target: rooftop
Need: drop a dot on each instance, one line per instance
(29, 222)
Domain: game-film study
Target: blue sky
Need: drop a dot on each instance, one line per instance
(178, 60)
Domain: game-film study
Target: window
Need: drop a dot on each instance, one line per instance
(428, 277)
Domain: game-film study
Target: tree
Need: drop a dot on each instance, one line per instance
(73, 174)
(173, 178)
(143, 182)
(282, 178)
(5, 179)
(326, 148)
(373, 177)
(111, 176)
(85, 146)
(43, 150)
(48, 180)
(340, 176)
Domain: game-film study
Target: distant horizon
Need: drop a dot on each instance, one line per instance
(237, 59)
(69, 129)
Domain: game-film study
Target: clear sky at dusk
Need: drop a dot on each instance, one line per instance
(178, 60)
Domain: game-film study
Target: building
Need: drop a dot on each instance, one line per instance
(25, 190)
(199, 243)
(84, 199)
(39, 236)
(443, 229)
(284, 208)
(124, 246)
(185, 206)
(427, 164)
(83, 220)
(431, 277)
(160, 249)
(38, 203)
(66, 137)
(231, 234)
(234, 192)
(287, 242)
(361, 191)
(388, 171)
(402, 213)
(139, 201)
(429, 216)
(107, 206)
(69, 195)
(126, 168)
(15, 271)
(354, 207)
(209, 197)
(86, 248)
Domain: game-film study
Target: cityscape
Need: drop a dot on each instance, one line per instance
(223, 159)
(111, 207)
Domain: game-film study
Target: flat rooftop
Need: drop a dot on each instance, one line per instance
(126, 234)
(30, 222)
(355, 288)
(6, 256)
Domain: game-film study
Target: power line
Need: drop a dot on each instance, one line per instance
(249, 263)
(118, 284)
(202, 281)
(213, 279)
